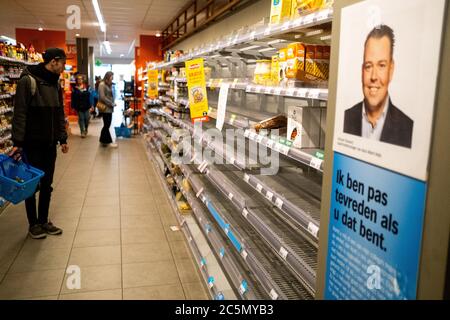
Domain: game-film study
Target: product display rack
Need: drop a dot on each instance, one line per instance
(271, 221)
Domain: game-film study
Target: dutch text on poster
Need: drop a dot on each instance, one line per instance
(389, 55)
(376, 219)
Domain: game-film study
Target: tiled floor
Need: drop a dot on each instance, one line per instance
(116, 222)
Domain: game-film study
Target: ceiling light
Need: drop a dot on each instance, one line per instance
(116, 36)
(107, 46)
(11, 40)
(122, 55)
(77, 35)
(41, 29)
(158, 34)
(99, 15)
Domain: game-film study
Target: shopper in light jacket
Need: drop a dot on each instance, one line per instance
(105, 96)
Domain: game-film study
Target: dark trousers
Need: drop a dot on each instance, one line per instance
(105, 136)
(43, 158)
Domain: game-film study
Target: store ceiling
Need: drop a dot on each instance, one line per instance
(125, 20)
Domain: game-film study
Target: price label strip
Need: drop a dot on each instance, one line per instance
(313, 229)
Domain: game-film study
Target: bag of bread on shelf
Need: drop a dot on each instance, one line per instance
(277, 122)
(280, 10)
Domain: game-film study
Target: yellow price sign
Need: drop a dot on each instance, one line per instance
(198, 99)
(152, 82)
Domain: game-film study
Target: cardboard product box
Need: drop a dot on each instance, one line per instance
(310, 63)
(282, 54)
(306, 127)
(326, 62)
(275, 70)
(281, 9)
(318, 57)
(295, 61)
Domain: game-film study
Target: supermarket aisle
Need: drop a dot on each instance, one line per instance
(116, 220)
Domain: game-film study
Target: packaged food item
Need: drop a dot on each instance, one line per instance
(322, 60)
(275, 70)
(306, 127)
(282, 54)
(310, 63)
(295, 61)
(186, 185)
(277, 122)
(281, 9)
(307, 6)
(263, 72)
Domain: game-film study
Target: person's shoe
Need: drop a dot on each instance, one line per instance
(37, 232)
(83, 135)
(113, 145)
(51, 229)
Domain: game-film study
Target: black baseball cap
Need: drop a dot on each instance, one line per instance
(53, 53)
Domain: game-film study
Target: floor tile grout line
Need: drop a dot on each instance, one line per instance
(26, 237)
(165, 195)
(78, 223)
(120, 225)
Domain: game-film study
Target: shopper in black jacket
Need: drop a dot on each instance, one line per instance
(38, 126)
(82, 103)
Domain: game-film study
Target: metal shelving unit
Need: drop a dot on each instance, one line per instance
(215, 280)
(270, 223)
(259, 34)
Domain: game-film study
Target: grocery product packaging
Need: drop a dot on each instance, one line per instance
(281, 9)
(310, 63)
(282, 54)
(263, 72)
(306, 127)
(275, 70)
(324, 63)
(295, 61)
(277, 122)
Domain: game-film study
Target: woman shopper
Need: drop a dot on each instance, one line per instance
(105, 96)
(95, 97)
(82, 103)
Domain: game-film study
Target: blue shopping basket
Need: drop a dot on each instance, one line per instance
(18, 180)
(122, 131)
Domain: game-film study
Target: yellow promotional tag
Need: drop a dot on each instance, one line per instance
(198, 99)
(152, 82)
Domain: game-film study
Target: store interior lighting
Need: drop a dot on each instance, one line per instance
(107, 46)
(101, 22)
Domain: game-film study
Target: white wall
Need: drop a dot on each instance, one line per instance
(249, 16)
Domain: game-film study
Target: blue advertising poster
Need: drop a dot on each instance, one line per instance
(374, 243)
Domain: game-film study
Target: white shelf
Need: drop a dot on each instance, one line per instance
(257, 33)
(12, 60)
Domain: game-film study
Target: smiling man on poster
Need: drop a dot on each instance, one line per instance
(376, 118)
